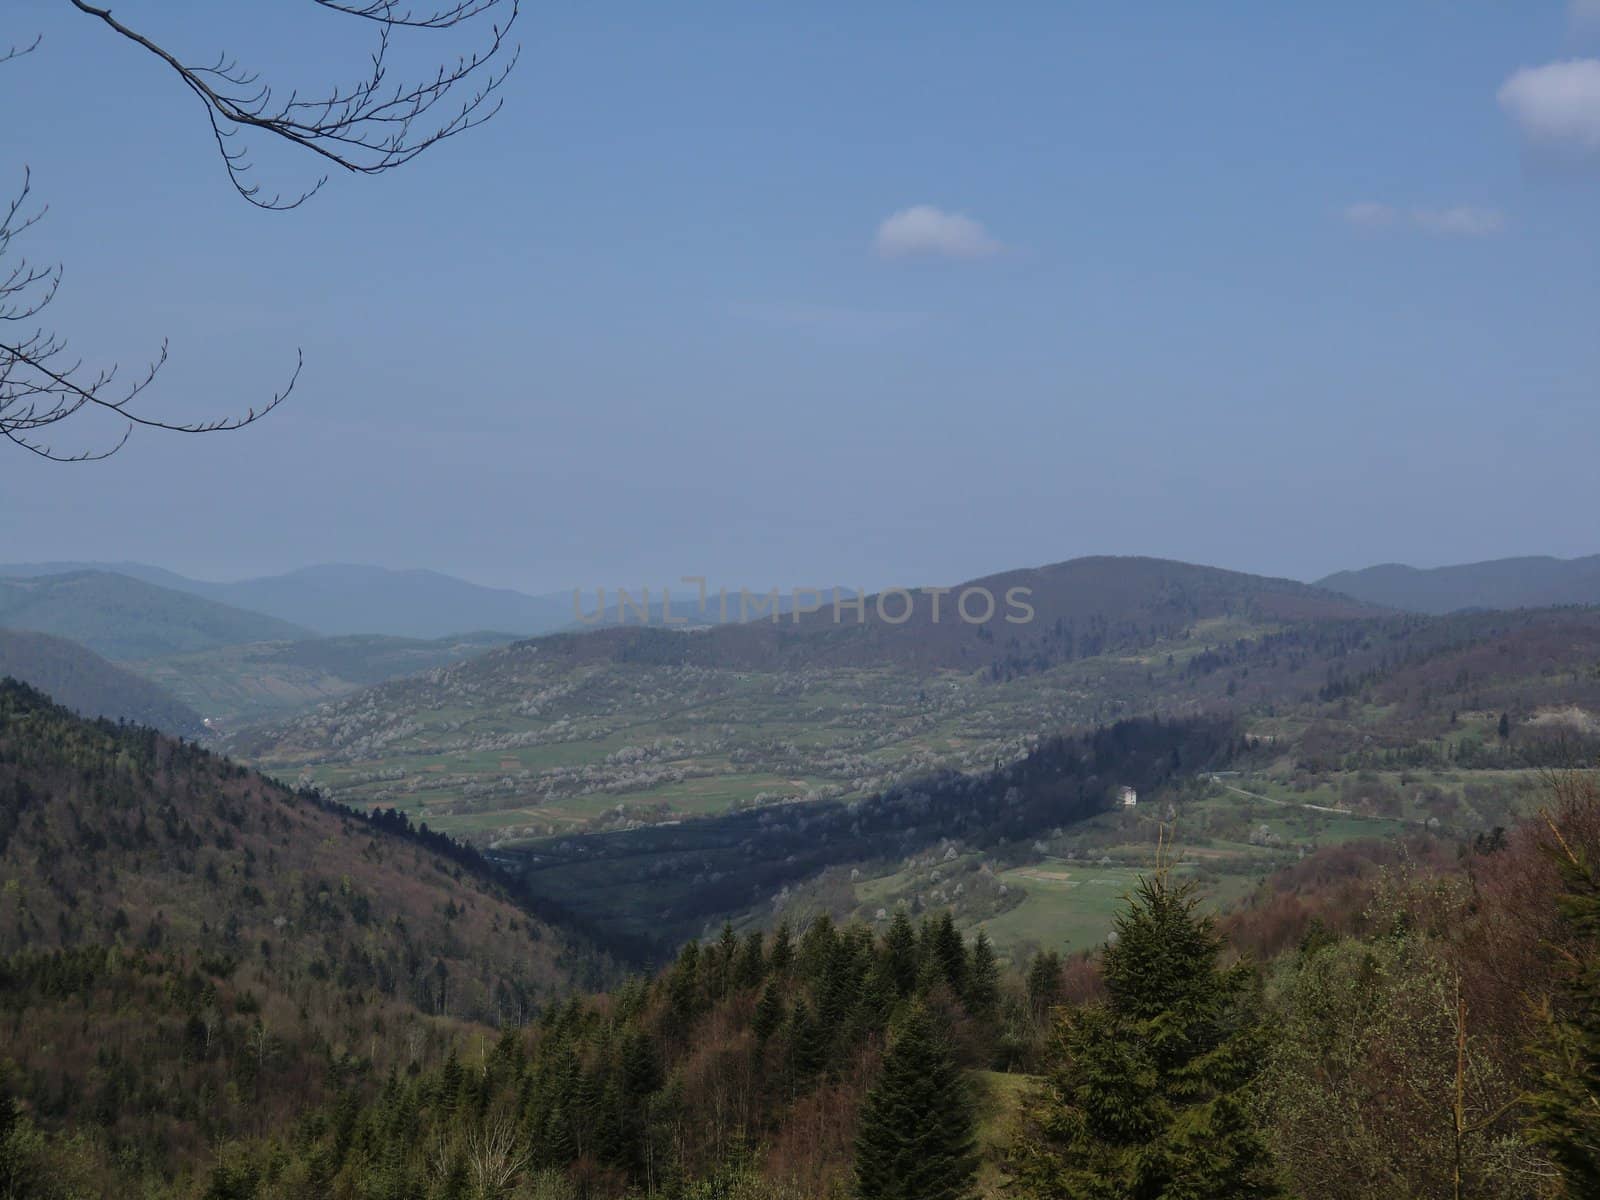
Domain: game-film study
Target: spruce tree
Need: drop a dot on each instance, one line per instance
(1565, 1113)
(983, 981)
(950, 952)
(752, 961)
(915, 1140)
(900, 951)
(1148, 1094)
(1044, 981)
(769, 1012)
(781, 960)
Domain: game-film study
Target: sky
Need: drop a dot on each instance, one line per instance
(841, 294)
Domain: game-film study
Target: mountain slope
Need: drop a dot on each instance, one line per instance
(190, 953)
(339, 599)
(1541, 582)
(124, 618)
(345, 599)
(116, 835)
(234, 684)
(81, 680)
(1018, 620)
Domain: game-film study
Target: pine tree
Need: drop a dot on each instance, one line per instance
(1148, 1094)
(950, 952)
(983, 980)
(1565, 1116)
(1044, 981)
(752, 961)
(900, 950)
(808, 1045)
(781, 960)
(769, 1012)
(915, 1140)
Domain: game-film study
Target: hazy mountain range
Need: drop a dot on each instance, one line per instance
(344, 599)
(1541, 582)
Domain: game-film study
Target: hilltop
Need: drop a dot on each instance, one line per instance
(90, 686)
(339, 599)
(1506, 583)
(124, 618)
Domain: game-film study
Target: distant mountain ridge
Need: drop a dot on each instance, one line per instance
(1039, 616)
(77, 678)
(124, 618)
(341, 599)
(1504, 583)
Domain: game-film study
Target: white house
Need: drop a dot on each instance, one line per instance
(1128, 796)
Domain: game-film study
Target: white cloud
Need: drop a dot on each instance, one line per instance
(1371, 216)
(1458, 222)
(1557, 105)
(925, 230)
(1462, 221)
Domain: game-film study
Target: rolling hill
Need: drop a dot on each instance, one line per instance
(124, 618)
(90, 686)
(236, 684)
(340, 599)
(582, 731)
(1505, 583)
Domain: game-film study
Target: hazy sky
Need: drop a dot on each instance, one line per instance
(854, 293)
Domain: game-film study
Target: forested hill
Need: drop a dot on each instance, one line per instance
(119, 835)
(1035, 617)
(125, 618)
(1534, 582)
(90, 685)
(186, 906)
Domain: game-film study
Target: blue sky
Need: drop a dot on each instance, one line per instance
(897, 293)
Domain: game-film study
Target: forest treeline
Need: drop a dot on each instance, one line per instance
(645, 889)
(1411, 1021)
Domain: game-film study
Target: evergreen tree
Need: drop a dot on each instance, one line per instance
(1148, 1095)
(950, 953)
(1565, 1116)
(781, 960)
(983, 980)
(769, 1012)
(915, 1140)
(808, 1045)
(683, 984)
(752, 961)
(1044, 981)
(900, 952)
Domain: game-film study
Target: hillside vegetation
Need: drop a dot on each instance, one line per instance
(235, 684)
(1503, 583)
(91, 686)
(123, 618)
(199, 952)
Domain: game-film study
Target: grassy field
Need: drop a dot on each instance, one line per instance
(1068, 905)
(997, 1100)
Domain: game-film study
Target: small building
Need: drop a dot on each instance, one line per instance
(1128, 796)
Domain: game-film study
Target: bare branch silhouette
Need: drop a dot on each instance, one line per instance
(368, 127)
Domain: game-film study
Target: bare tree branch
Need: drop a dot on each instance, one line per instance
(368, 127)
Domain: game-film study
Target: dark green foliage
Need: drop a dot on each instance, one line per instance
(1044, 981)
(915, 1140)
(983, 979)
(1149, 1093)
(1565, 1108)
(900, 951)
